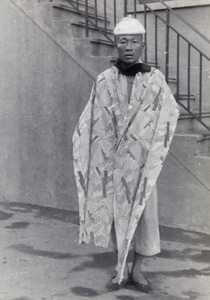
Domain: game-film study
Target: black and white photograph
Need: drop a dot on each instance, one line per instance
(105, 149)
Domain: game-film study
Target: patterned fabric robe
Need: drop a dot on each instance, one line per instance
(119, 149)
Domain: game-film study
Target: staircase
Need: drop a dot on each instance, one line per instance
(175, 54)
(83, 29)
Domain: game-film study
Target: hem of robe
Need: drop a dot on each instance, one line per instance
(91, 242)
(149, 253)
(143, 252)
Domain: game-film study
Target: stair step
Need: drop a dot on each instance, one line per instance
(101, 47)
(71, 9)
(75, 3)
(192, 144)
(153, 64)
(82, 24)
(172, 79)
(186, 100)
(205, 114)
(188, 123)
(156, 5)
(185, 97)
(35, 2)
(79, 28)
(44, 1)
(103, 42)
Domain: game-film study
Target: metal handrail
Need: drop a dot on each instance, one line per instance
(104, 31)
(177, 32)
(85, 15)
(185, 21)
(89, 21)
(190, 45)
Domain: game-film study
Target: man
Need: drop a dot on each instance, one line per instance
(120, 144)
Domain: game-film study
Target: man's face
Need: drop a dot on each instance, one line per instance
(129, 48)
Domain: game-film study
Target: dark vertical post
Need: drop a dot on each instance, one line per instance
(115, 13)
(96, 12)
(86, 18)
(156, 41)
(115, 17)
(105, 24)
(125, 8)
(77, 4)
(134, 8)
(188, 76)
(200, 85)
(167, 44)
(177, 66)
(145, 36)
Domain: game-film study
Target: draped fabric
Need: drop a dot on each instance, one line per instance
(119, 148)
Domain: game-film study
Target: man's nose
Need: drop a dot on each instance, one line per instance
(129, 46)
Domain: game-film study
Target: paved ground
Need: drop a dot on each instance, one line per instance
(40, 259)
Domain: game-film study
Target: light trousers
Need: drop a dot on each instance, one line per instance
(146, 240)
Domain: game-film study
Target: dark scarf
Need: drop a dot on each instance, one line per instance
(127, 70)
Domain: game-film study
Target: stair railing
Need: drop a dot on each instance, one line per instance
(118, 11)
(190, 48)
(184, 21)
(89, 20)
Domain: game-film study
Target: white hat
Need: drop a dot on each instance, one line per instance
(129, 25)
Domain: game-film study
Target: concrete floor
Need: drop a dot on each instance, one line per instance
(41, 260)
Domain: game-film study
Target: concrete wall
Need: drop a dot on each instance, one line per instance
(183, 197)
(42, 92)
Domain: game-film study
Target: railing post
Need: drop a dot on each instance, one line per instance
(115, 13)
(125, 8)
(134, 8)
(105, 24)
(145, 36)
(156, 41)
(200, 85)
(177, 67)
(167, 45)
(188, 76)
(115, 17)
(86, 18)
(96, 12)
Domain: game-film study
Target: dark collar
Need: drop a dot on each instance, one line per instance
(124, 69)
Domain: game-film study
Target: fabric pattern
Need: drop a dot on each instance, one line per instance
(119, 149)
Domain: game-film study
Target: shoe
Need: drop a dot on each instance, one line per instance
(145, 288)
(115, 286)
